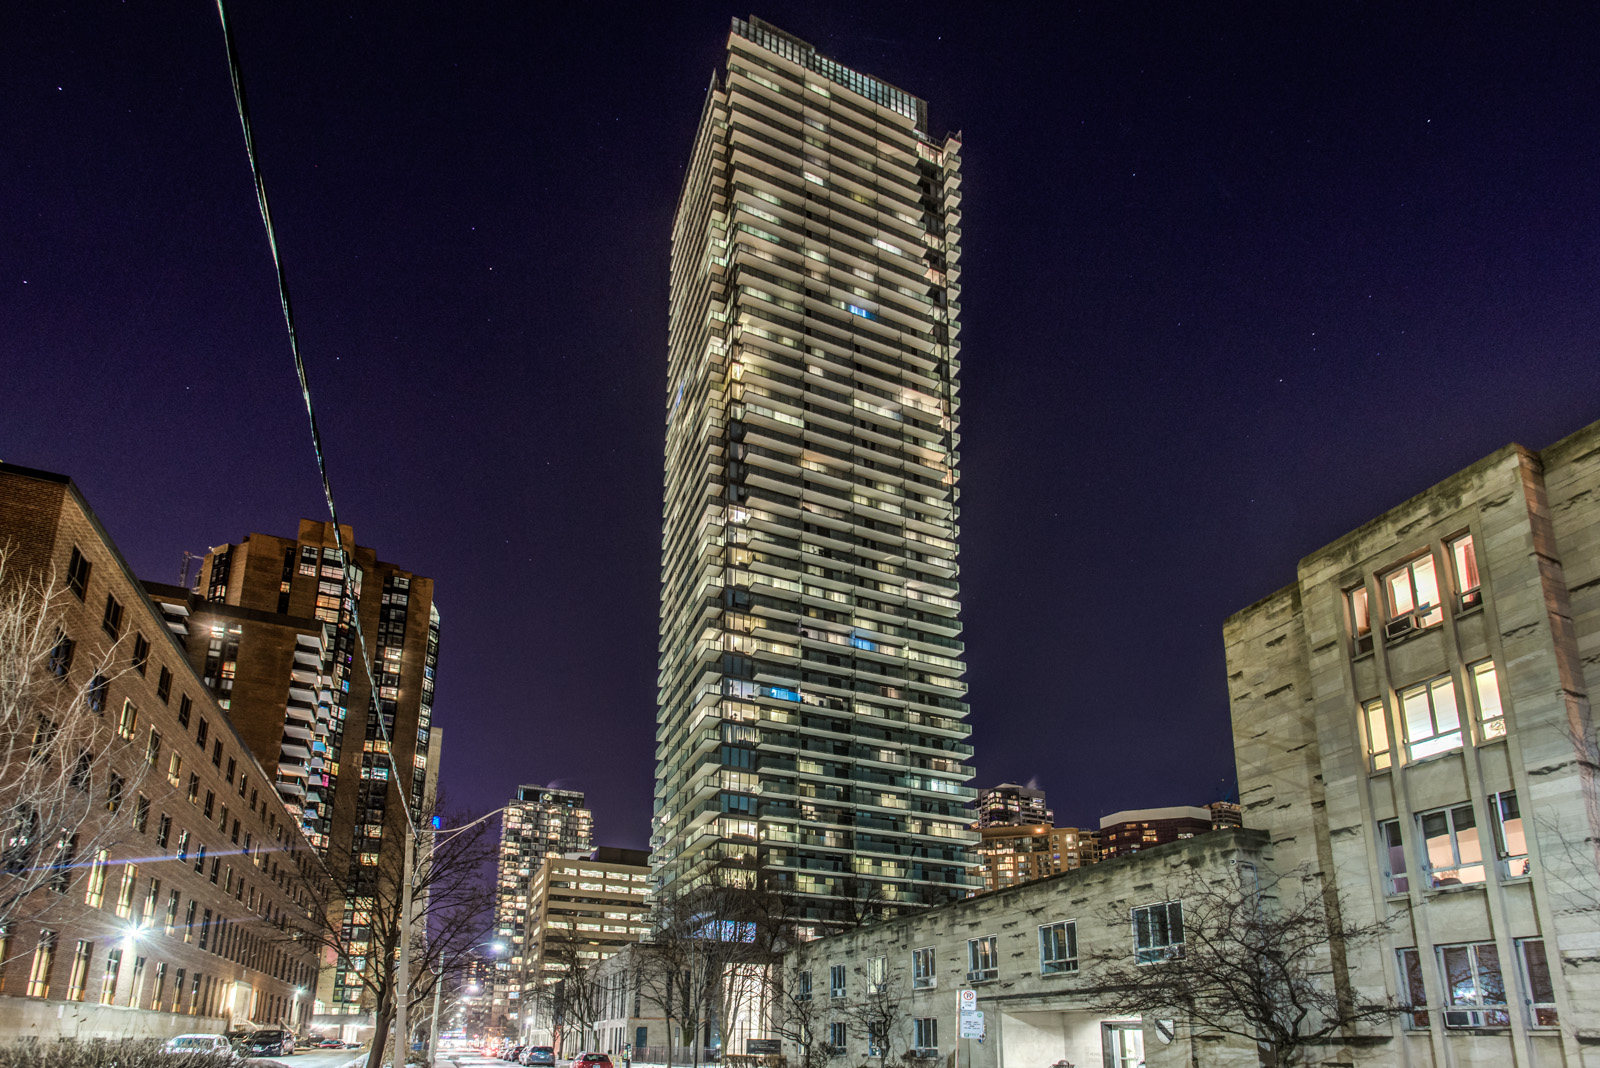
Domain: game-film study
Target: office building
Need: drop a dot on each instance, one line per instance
(541, 823)
(1010, 805)
(811, 713)
(1413, 719)
(380, 746)
(582, 910)
(178, 888)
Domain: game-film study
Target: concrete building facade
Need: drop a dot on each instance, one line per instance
(1412, 717)
(1026, 956)
(811, 713)
(181, 919)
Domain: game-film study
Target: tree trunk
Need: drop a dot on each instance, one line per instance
(384, 1017)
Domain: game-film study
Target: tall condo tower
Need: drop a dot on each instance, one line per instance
(810, 723)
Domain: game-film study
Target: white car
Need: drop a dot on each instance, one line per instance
(216, 1045)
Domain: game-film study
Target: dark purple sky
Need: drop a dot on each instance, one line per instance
(1236, 279)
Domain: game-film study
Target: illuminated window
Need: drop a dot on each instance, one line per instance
(1058, 948)
(1465, 558)
(1377, 723)
(95, 894)
(1413, 597)
(1511, 840)
(1451, 848)
(1432, 719)
(1360, 619)
(129, 720)
(1486, 688)
(78, 980)
(44, 956)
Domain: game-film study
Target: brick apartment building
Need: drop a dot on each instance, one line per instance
(257, 603)
(182, 915)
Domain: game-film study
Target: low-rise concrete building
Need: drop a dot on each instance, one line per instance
(1413, 717)
(1026, 956)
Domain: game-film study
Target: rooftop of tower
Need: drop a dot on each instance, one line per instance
(795, 50)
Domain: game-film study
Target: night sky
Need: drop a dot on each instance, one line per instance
(1236, 279)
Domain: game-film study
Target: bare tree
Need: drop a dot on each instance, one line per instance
(799, 1016)
(1248, 956)
(450, 904)
(881, 1012)
(574, 1000)
(68, 778)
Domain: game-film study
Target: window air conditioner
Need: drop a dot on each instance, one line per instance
(1397, 627)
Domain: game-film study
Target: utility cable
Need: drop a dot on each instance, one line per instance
(346, 556)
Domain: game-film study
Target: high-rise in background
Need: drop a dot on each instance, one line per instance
(811, 715)
(259, 611)
(541, 823)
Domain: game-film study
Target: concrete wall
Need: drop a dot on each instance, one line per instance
(1298, 680)
(1032, 1020)
(49, 1019)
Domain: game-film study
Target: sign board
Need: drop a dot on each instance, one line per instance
(967, 1000)
(971, 1024)
(762, 1047)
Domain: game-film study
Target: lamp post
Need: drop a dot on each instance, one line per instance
(402, 1030)
(438, 987)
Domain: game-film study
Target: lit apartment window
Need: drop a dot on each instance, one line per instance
(124, 906)
(129, 721)
(108, 984)
(1377, 735)
(1058, 948)
(1360, 619)
(175, 769)
(1158, 932)
(95, 893)
(1451, 847)
(1511, 842)
(983, 959)
(1392, 845)
(1486, 688)
(836, 981)
(1536, 974)
(44, 956)
(1474, 988)
(1433, 721)
(1413, 597)
(152, 748)
(1415, 997)
(922, 973)
(78, 979)
(1465, 558)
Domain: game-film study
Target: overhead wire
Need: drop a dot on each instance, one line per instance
(346, 555)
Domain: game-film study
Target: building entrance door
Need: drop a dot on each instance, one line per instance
(1124, 1045)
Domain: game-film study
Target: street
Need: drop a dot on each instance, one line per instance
(312, 1058)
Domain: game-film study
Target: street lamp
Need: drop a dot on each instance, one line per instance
(495, 948)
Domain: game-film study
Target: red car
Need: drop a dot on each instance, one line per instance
(591, 1060)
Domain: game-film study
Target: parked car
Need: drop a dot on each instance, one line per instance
(213, 1045)
(539, 1055)
(591, 1060)
(268, 1042)
(330, 1043)
(512, 1053)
